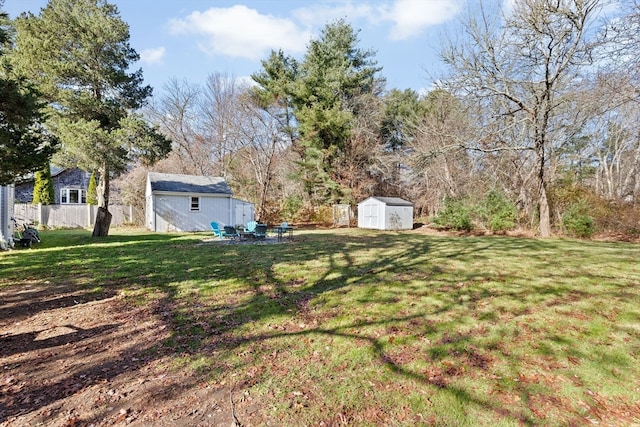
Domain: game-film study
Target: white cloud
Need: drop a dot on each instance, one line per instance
(408, 18)
(152, 56)
(242, 32)
(411, 17)
(317, 15)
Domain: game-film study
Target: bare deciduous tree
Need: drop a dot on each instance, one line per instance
(525, 72)
(439, 163)
(177, 113)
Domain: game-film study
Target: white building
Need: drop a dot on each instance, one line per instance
(6, 213)
(189, 203)
(385, 213)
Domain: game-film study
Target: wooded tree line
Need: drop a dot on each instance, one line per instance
(536, 120)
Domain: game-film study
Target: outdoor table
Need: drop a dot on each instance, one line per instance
(244, 235)
(281, 231)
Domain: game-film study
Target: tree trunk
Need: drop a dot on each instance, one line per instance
(545, 221)
(103, 217)
(103, 222)
(543, 203)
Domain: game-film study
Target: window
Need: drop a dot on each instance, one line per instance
(195, 203)
(73, 196)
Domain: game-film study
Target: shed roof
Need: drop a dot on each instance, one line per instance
(392, 201)
(176, 183)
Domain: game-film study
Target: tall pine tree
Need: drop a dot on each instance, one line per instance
(24, 143)
(335, 72)
(78, 54)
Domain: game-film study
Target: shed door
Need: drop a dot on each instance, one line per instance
(371, 215)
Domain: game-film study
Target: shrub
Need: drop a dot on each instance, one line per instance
(323, 215)
(456, 215)
(577, 221)
(43, 191)
(291, 207)
(92, 191)
(497, 212)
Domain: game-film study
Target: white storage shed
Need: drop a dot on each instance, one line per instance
(189, 203)
(385, 213)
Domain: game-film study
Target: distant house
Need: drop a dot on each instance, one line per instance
(6, 213)
(385, 213)
(189, 203)
(69, 185)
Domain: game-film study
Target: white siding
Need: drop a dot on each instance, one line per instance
(243, 212)
(149, 209)
(173, 212)
(371, 214)
(399, 218)
(6, 212)
(375, 214)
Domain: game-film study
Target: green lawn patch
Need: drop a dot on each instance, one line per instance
(380, 328)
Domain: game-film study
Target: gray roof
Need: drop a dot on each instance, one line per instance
(393, 201)
(175, 183)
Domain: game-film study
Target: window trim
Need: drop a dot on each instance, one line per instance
(65, 196)
(195, 204)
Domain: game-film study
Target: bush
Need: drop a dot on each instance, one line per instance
(291, 206)
(43, 191)
(497, 212)
(456, 215)
(323, 215)
(577, 221)
(92, 191)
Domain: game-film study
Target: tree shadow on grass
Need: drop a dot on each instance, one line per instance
(255, 288)
(32, 300)
(62, 335)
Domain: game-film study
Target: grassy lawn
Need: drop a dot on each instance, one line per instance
(355, 327)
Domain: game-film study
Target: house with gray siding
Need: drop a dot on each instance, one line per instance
(177, 202)
(70, 186)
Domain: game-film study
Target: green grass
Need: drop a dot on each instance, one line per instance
(382, 328)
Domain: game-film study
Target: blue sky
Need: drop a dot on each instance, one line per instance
(191, 39)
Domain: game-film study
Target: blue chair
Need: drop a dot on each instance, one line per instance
(215, 227)
(251, 227)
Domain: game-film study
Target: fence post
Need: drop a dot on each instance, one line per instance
(39, 213)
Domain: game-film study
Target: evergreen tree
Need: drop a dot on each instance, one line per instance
(24, 143)
(333, 75)
(78, 54)
(43, 192)
(92, 191)
(325, 92)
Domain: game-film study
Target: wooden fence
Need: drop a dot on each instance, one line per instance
(69, 216)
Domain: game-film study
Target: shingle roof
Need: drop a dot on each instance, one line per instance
(188, 183)
(393, 201)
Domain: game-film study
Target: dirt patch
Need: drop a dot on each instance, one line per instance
(76, 358)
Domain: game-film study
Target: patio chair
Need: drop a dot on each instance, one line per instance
(215, 227)
(251, 227)
(230, 231)
(260, 231)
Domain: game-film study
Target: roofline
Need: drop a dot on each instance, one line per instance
(380, 199)
(184, 193)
